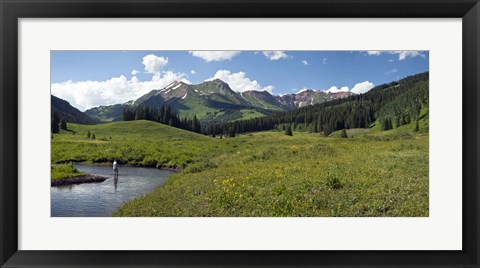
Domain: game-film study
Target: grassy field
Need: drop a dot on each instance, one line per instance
(266, 173)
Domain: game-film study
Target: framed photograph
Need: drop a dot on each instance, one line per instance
(226, 133)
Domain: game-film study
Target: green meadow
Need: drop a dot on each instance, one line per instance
(370, 173)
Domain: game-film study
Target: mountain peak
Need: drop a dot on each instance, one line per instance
(217, 84)
(305, 90)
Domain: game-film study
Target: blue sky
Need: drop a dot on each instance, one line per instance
(91, 78)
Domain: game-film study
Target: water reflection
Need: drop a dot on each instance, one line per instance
(101, 199)
(65, 187)
(115, 182)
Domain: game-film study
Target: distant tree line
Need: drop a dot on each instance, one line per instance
(357, 111)
(164, 115)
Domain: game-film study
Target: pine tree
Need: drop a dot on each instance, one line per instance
(417, 127)
(88, 134)
(55, 121)
(231, 133)
(289, 131)
(404, 120)
(315, 126)
(344, 134)
(196, 127)
(63, 124)
(387, 124)
(166, 114)
(93, 136)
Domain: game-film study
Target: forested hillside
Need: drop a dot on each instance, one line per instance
(62, 112)
(163, 115)
(393, 104)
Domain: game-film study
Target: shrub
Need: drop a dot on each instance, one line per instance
(149, 161)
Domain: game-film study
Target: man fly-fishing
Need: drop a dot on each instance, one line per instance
(115, 169)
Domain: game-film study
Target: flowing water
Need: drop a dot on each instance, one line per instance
(101, 199)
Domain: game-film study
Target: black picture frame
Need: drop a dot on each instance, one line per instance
(12, 10)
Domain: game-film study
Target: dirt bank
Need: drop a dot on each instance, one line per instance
(78, 180)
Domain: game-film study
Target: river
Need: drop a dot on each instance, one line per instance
(101, 199)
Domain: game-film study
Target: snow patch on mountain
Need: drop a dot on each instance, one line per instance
(201, 93)
(241, 94)
(171, 85)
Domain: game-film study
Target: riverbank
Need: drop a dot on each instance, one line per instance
(66, 174)
(78, 180)
(102, 199)
(158, 166)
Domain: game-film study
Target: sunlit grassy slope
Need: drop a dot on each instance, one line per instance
(142, 142)
(264, 173)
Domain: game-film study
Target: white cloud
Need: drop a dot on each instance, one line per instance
(275, 55)
(324, 61)
(362, 87)
(405, 54)
(402, 54)
(304, 62)
(359, 88)
(153, 64)
(209, 56)
(239, 81)
(374, 52)
(87, 94)
(334, 89)
(193, 72)
(135, 72)
(390, 61)
(392, 71)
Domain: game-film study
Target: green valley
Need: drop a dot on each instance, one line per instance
(384, 173)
